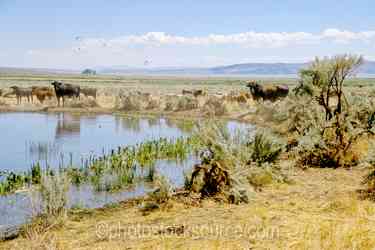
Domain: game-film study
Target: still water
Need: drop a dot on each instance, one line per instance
(27, 138)
(65, 138)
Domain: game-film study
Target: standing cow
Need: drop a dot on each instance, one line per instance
(65, 89)
(22, 92)
(42, 93)
(269, 92)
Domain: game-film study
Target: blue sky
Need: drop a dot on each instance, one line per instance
(78, 34)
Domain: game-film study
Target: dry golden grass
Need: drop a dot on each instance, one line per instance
(319, 211)
(134, 100)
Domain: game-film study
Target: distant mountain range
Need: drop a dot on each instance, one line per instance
(237, 69)
(261, 69)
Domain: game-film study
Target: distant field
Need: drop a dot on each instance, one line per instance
(114, 79)
(148, 83)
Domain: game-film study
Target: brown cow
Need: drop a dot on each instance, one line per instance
(267, 92)
(42, 93)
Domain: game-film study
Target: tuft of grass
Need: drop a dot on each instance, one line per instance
(53, 193)
(163, 191)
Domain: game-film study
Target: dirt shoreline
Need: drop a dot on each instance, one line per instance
(185, 115)
(281, 216)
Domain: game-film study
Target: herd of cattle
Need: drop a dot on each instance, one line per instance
(61, 90)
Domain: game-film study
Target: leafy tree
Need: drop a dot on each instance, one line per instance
(341, 128)
(89, 72)
(329, 75)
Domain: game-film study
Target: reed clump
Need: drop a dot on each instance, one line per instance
(12, 181)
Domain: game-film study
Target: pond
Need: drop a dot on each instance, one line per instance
(27, 138)
(59, 139)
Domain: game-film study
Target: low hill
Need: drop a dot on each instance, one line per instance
(263, 69)
(235, 69)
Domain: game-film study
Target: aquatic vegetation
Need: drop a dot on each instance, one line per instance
(36, 173)
(119, 168)
(42, 149)
(12, 181)
(112, 171)
(150, 174)
(77, 176)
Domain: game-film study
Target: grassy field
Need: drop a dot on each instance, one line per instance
(154, 84)
(155, 79)
(165, 84)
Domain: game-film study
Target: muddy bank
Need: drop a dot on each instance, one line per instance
(233, 105)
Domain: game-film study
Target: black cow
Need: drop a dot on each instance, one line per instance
(268, 92)
(65, 89)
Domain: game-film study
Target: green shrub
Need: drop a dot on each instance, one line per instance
(265, 148)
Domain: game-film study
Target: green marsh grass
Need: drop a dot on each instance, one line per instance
(109, 172)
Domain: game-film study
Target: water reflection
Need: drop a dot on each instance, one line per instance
(68, 125)
(184, 125)
(154, 121)
(128, 123)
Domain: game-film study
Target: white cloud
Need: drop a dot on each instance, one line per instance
(247, 39)
(213, 49)
(344, 36)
